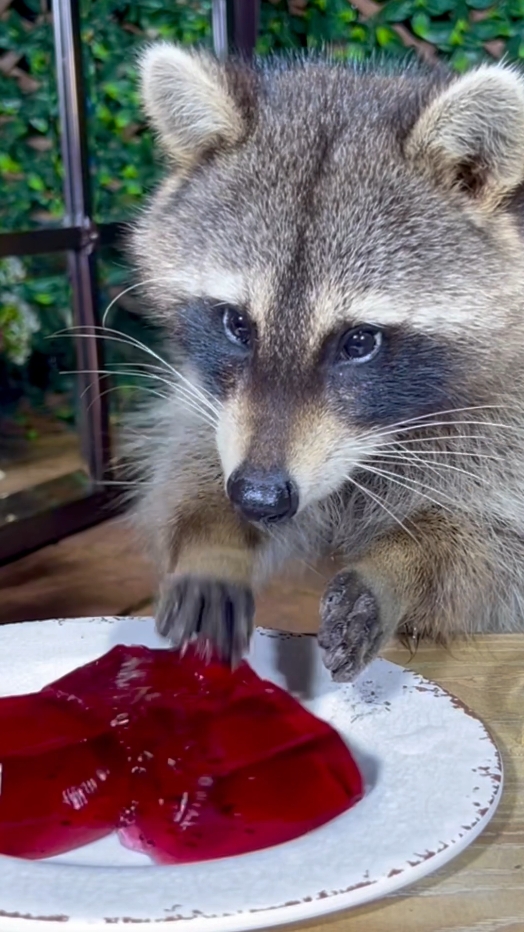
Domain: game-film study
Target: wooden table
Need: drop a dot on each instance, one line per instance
(481, 890)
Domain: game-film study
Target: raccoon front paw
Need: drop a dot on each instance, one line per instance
(351, 633)
(211, 612)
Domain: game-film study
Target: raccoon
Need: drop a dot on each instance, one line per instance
(336, 259)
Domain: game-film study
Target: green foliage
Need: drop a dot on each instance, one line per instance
(113, 31)
(18, 322)
(30, 170)
(120, 146)
(462, 32)
(34, 295)
(35, 302)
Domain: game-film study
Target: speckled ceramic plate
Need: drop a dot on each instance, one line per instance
(433, 781)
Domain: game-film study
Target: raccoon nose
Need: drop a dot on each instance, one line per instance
(263, 496)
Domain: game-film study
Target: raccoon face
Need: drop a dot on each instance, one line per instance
(335, 255)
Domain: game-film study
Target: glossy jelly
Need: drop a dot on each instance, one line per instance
(185, 758)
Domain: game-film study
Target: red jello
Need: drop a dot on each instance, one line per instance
(61, 799)
(187, 759)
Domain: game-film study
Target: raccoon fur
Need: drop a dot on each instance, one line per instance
(336, 258)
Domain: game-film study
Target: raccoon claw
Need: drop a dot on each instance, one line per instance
(217, 614)
(350, 632)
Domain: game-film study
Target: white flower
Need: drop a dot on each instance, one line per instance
(18, 323)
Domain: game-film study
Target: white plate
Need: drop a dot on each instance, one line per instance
(433, 781)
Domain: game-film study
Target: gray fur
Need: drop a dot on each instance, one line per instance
(325, 208)
(351, 633)
(220, 615)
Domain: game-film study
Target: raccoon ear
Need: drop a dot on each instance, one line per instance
(187, 98)
(471, 137)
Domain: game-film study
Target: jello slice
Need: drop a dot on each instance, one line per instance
(263, 772)
(189, 759)
(33, 724)
(259, 724)
(61, 799)
(127, 681)
(270, 803)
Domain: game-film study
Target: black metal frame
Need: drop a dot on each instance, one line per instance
(52, 510)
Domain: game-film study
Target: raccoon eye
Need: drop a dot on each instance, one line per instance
(361, 344)
(237, 326)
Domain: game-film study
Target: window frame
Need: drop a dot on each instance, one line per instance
(52, 510)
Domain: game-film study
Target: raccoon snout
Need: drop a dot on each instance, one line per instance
(263, 496)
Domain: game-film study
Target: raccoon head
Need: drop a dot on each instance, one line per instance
(335, 253)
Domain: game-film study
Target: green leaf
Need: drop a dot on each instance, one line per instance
(439, 7)
(8, 165)
(40, 124)
(396, 11)
(35, 183)
(436, 33)
(480, 4)
(385, 36)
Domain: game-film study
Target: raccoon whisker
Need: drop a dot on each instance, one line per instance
(413, 460)
(426, 417)
(190, 401)
(400, 446)
(143, 366)
(131, 483)
(176, 386)
(431, 438)
(109, 333)
(125, 338)
(194, 403)
(436, 470)
(421, 445)
(151, 367)
(391, 477)
(128, 371)
(188, 386)
(146, 281)
(419, 463)
(140, 370)
(116, 336)
(190, 391)
(116, 388)
(181, 391)
(378, 501)
(486, 424)
(191, 405)
(133, 372)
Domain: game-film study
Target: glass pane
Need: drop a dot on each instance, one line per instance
(121, 147)
(38, 400)
(30, 163)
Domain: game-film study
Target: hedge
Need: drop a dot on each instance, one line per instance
(34, 294)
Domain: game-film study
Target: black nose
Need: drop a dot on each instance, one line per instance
(263, 496)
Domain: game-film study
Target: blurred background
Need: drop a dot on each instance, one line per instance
(76, 162)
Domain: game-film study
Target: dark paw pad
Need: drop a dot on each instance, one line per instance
(350, 634)
(214, 613)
